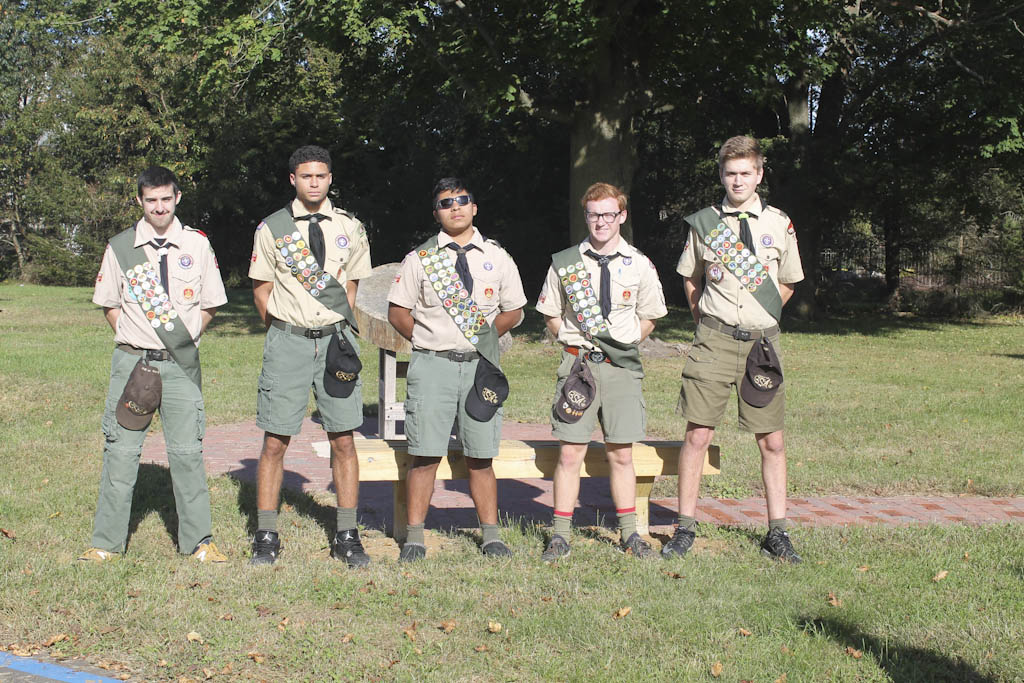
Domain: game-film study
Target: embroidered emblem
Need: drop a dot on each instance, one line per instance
(766, 240)
(398, 278)
(627, 260)
(542, 299)
(254, 257)
(185, 261)
(489, 395)
(488, 292)
(189, 294)
(716, 273)
(341, 241)
(763, 382)
(626, 294)
(99, 277)
(488, 265)
(345, 376)
(790, 229)
(260, 226)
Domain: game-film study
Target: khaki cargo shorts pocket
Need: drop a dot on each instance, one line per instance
(111, 430)
(264, 396)
(412, 432)
(200, 420)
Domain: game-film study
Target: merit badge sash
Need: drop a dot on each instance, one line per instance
(439, 267)
(149, 293)
(738, 258)
(293, 250)
(579, 292)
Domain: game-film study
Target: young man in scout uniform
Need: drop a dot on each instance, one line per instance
(600, 300)
(740, 263)
(453, 298)
(159, 286)
(307, 260)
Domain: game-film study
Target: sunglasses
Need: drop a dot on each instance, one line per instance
(448, 202)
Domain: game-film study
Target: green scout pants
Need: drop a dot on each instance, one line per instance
(184, 422)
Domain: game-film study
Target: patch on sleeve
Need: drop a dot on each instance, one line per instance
(99, 277)
(791, 230)
(398, 278)
(254, 256)
(261, 226)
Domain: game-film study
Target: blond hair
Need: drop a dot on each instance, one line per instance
(741, 147)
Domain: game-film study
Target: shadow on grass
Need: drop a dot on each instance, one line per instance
(153, 493)
(902, 662)
(238, 316)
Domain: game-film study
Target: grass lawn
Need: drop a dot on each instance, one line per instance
(876, 406)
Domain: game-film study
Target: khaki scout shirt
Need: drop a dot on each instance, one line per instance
(496, 288)
(194, 285)
(347, 256)
(636, 295)
(724, 297)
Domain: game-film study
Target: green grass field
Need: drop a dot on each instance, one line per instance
(876, 406)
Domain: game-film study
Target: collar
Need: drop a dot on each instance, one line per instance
(144, 233)
(326, 208)
(754, 206)
(624, 248)
(477, 240)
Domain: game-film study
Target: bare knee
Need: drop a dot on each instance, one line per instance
(572, 454)
(772, 445)
(620, 456)
(274, 446)
(698, 437)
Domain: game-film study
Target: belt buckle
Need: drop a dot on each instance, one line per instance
(457, 356)
(741, 335)
(154, 355)
(596, 356)
(315, 334)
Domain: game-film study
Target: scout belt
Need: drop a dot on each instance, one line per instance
(309, 332)
(595, 356)
(146, 290)
(291, 248)
(439, 268)
(736, 332)
(737, 258)
(577, 286)
(454, 356)
(148, 354)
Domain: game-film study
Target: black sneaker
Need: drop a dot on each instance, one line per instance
(496, 549)
(266, 546)
(347, 546)
(680, 543)
(557, 549)
(637, 546)
(412, 552)
(778, 546)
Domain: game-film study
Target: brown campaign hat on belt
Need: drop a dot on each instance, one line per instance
(490, 389)
(763, 376)
(140, 398)
(342, 367)
(577, 393)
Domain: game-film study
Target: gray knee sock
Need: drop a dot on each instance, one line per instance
(266, 520)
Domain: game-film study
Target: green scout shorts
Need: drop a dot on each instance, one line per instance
(291, 365)
(436, 390)
(714, 367)
(618, 405)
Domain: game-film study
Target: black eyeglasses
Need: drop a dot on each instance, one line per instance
(606, 217)
(447, 202)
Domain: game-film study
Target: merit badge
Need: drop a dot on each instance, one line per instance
(626, 294)
(766, 240)
(189, 294)
(185, 261)
(489, 292)
(627, 261)
(715, 273)
(341, 241)
(488, 265)
(169, 326)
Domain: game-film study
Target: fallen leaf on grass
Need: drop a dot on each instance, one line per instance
(283, 624)
(853, 652)
(494, 626)
(744, 632)
(56, 639)
(621, 612)
(368, 587)
(413, 592)
(194, 637)
(781, 679)
(347, 638)
(448, 625)
(262, 611)
(480, 648)
(162, 662)
(940, 576)
(785, 650)
(208, 673)
(410, 632)
(967, 556)
(545, 598)
(716, 669)
(863, 568)
(672, 575)
(227, 669)
(408, 612)
(256, 657)
(833, 600)
(226, 617)
(55, 514)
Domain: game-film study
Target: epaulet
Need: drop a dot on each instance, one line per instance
(188, 227)
(778, 211)
(343, 212)
(495, 242)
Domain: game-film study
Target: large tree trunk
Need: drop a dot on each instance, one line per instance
(602, 139)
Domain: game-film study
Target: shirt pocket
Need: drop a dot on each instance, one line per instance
(624, 289)
(185, 290)
(335, 264)
(486, 293)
